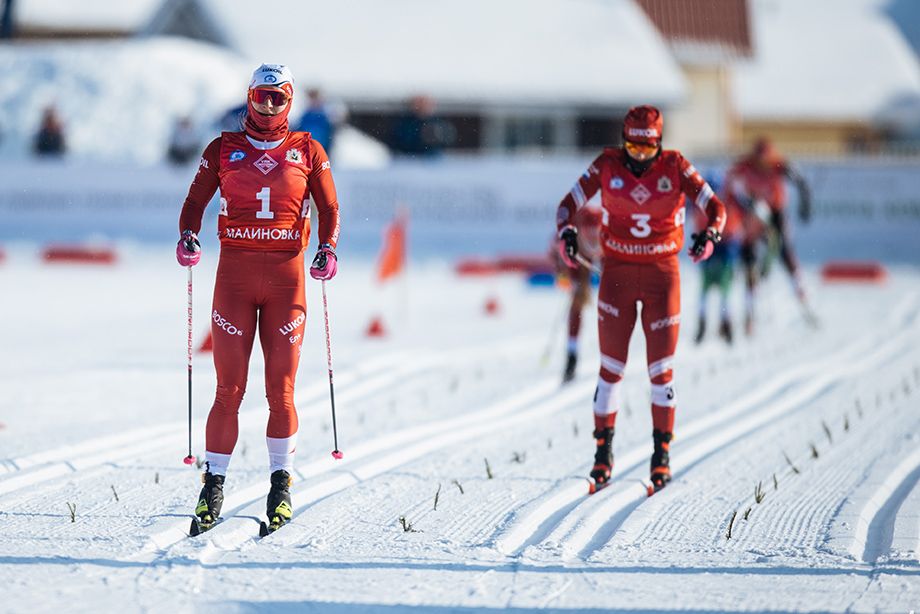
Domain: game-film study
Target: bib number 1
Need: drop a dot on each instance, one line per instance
(264, 196)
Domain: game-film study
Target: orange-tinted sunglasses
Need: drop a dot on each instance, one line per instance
(262, 95)
(641, 150)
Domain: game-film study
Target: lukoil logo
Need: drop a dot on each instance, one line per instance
(290, 327)
(647, 132)
(225, 325)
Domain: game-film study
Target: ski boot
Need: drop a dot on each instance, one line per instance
(278, 504)
(210, 500)
(570, 362)
(603, 460)
(661, 461)
(725, 330)
(700, 331)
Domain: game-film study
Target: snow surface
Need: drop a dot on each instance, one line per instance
(93, 404)
(825, 60)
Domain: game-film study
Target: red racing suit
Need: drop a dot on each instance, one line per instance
(642, 233)
(263, 226)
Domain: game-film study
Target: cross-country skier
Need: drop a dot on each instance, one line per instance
(587, 223)
(642, 231)
(757, 183)
(265, 174)
(719, 270)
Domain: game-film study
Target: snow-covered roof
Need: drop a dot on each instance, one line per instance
(543, 52)
(84, 15)
(825, 60)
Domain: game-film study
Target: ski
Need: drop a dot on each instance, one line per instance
(198, 526)
(594, 487)
(266, 529)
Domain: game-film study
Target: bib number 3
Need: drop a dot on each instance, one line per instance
(641, 228)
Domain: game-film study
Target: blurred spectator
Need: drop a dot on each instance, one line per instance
(317, 120)
(184, 144)
(420, 132)
(49, 141)
(232, 120)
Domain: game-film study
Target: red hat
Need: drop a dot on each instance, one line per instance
(643, 125)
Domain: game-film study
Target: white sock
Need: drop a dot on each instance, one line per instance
(606, 398)
(216, 463)
(281, 452)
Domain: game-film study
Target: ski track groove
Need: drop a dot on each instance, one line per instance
(421, 442)
(357, 383)
(799, 522)
(788, 404)
(865, 524)
(93, 478)
(529, 525)
(905, 539)
(69, 459)
(588, 524)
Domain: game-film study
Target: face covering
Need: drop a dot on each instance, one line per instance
(266, 127)
(636, 167)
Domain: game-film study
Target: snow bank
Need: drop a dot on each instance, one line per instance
(118, 99)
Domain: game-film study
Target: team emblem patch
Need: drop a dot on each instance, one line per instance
(640, 194)
(237, 155)
(294, 155)
(616, 183)
(265, 164)
(664, 185)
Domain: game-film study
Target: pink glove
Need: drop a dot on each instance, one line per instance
(568, 246)
(325, 263)
(188, 250)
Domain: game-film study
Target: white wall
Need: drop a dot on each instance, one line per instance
(863, 210)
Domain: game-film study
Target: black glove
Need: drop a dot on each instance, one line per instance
(568, 244)
(190, 241)
(700, 239)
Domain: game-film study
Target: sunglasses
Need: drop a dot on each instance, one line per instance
(641, 150)
(262, 96)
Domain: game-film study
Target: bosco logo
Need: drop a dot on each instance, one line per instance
(224, 325)
(270, 78)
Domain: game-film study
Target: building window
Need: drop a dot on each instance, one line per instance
(595, 132)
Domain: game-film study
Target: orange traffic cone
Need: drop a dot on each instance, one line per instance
(376, 328)
(492, 307)
(207, 345)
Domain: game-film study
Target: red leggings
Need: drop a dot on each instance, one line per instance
(264, 289)
(657, 286)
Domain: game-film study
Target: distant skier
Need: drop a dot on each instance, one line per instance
(719, 270)
(266, 175)
(587, 223)
(642, 231)
(757, 183)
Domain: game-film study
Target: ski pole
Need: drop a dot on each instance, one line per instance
(554, 331)
(587, 264)
(188, 460)
(336, 453)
